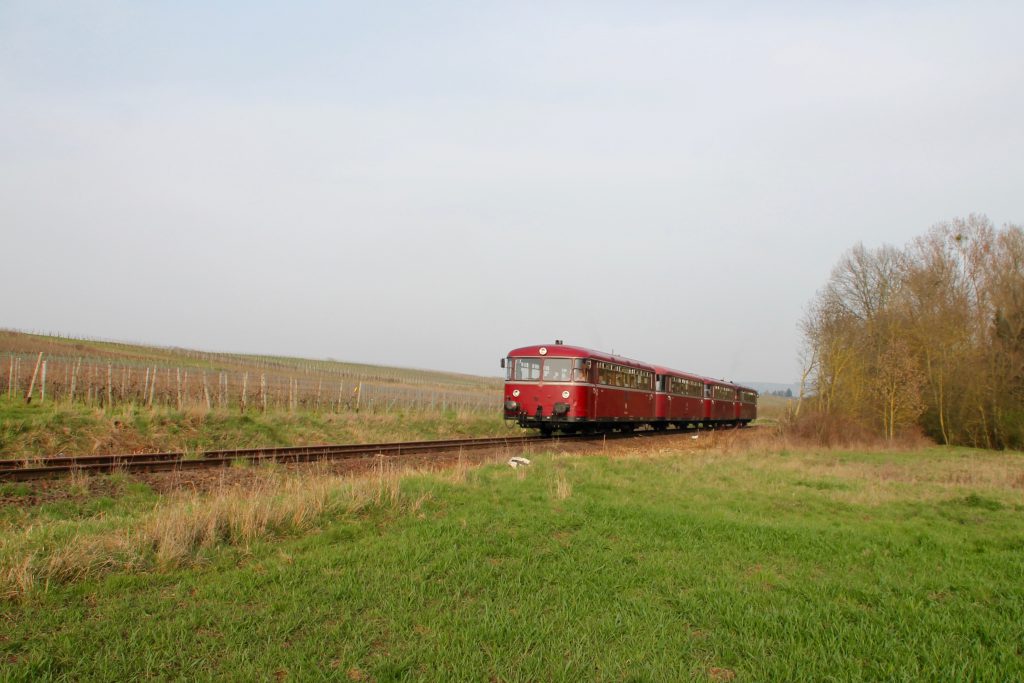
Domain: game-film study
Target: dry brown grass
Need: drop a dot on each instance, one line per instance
(563, 487)
(179, 529)
(770, 460)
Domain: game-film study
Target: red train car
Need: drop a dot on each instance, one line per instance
(720, 402)
(746, 408)
(571, 389)
(679, 398)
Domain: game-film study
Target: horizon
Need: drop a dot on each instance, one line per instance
(750, 383)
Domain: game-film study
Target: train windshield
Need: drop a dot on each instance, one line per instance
(557, 369)
(526, 370)
(535, 369)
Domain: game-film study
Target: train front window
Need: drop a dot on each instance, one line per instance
(526, 370)
(557, 369)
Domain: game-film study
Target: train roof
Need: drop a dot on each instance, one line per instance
(662, 370)
(568, 351)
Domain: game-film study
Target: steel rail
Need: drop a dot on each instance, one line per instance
(25, 469)
(41, 468)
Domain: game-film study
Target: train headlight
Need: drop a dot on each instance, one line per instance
(565, 394)
(515, 392)
(511, 406)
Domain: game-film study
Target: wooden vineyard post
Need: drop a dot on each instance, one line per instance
(341, 396)
(206, 392)
(263, 391)
(42, 385)
(359, 394)
(32, 384)
(74, 380)
(152, 389)
(245, 386)
(179, 388)
(10, 379)
(319, 388)
(184, 391)
(110, 382)
(145, 387)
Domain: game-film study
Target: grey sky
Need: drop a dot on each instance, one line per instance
(431, 186)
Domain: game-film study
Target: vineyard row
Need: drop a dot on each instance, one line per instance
(105, 385)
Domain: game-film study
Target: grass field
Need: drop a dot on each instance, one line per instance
(41, 430)
(694, 560)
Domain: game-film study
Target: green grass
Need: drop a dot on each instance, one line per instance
(51, 428)
(683, 565)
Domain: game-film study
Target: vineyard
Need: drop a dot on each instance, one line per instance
(106, 375)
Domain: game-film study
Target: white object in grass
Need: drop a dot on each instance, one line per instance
(517, 461)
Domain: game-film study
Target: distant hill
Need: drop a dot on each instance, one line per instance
(766, 387)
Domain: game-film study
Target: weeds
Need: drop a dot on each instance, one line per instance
(181, 528)
(563, 489)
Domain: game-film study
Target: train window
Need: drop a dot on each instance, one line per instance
(724, 393)
(557, 369)
(526, 370)
(580, 370)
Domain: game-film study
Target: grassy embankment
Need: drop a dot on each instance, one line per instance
(757, 564)
(91, 396)
(40, 430)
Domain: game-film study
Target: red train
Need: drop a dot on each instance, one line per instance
(571, 389)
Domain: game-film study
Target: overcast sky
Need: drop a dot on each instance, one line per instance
(432, 184)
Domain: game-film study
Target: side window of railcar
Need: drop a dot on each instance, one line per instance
(580, 370)
(527, 369)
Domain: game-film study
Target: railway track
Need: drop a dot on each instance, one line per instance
(55, 466)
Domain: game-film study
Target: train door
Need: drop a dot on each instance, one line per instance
(583, 372)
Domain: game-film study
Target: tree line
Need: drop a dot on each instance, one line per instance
(928, 337)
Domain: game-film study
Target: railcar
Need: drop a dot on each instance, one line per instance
(680, 398)
(720, 402)
(746, 408)
(574, 389)
(570, 389)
